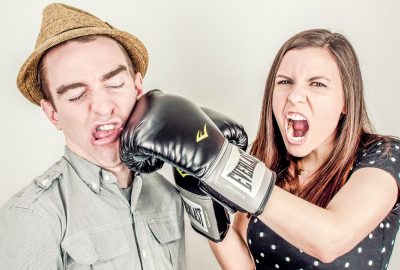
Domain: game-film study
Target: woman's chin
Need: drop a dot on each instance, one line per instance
(297, 148)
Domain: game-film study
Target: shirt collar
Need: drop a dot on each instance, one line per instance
(90, 173)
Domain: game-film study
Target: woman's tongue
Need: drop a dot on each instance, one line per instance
(300, 127)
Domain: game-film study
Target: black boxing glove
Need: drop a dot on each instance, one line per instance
(173, 129)
(208, 217)
(232, 130)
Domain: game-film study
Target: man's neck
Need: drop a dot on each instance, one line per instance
(123, 174)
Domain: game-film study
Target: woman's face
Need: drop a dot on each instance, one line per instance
(308, 100)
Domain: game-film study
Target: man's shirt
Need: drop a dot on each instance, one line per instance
(75, 216)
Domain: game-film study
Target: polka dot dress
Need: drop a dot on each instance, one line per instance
(271, 252)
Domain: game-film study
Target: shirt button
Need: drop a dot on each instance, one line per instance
(107, 177)
(45, 182)
(94, 185)
(144, 253)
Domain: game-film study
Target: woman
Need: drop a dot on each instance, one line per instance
(335, 204)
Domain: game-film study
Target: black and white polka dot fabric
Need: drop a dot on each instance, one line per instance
(270, 251)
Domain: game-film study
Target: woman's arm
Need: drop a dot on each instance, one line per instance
(326, 234)
(232, 253)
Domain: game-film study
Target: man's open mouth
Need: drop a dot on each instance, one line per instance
(106, 133)
(103, 131)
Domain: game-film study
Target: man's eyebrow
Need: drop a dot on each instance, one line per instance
(64, 88)
(114, 72)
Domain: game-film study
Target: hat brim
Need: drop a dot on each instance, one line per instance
(27, 77)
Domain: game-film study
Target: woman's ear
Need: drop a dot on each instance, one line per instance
(344, 110)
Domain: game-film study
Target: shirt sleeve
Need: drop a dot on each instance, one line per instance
(27, 241)
(383, 154)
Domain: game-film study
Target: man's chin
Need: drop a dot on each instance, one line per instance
(107, 153)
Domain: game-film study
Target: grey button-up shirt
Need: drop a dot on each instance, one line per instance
(74, 216)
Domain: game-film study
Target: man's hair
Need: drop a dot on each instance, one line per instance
(42, 79)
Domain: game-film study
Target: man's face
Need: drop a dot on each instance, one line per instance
(93, 93)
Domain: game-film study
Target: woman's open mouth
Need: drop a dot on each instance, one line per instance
(296, 127)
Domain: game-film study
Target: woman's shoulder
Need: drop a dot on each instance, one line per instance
(378, 146)
(381, 152)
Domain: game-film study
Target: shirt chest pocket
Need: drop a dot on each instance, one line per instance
(166, 231)
(98, 249)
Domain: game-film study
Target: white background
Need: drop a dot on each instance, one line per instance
(214, 52)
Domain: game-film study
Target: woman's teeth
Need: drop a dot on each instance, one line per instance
(295, 116)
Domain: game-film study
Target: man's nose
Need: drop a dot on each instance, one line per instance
(103, 105)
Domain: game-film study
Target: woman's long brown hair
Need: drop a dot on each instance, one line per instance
(353, 125)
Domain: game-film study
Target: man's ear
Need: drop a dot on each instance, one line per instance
(50, 112)
(138, 80)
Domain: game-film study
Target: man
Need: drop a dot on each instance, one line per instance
(89, 211)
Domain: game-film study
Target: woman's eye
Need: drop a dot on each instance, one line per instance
(318, 84)
(285, 82)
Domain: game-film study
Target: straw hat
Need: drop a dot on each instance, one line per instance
(61, 23)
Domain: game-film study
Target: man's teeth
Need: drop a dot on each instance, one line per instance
(295, 117)
(106, 127)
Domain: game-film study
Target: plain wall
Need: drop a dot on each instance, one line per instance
(214, 52)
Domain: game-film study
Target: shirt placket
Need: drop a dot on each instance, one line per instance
(142, 233)
(110, 183)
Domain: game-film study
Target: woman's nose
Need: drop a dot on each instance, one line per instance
(297, 96)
